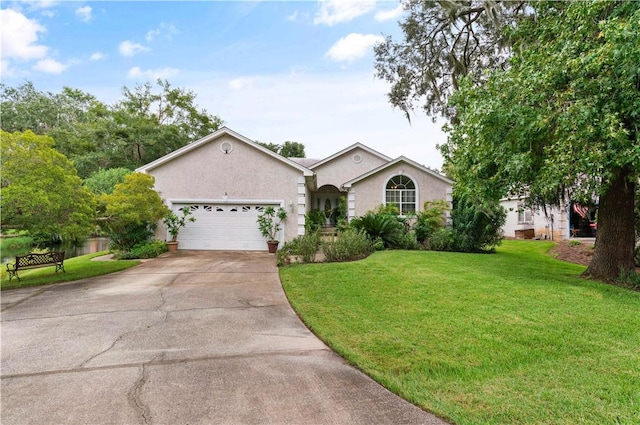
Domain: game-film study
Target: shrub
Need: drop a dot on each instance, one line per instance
(476, 226)
(314, 220)
(574, 243)
(430, 219)
(130, 235)
(381, 225)
(349, 245)
(441, 240)
(305, 247)
(144, 250)
(407, 240)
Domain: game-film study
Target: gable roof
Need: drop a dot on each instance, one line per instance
(394, 162)
(350, 148)
(214, 136)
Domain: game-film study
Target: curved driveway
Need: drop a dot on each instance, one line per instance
(196, 337)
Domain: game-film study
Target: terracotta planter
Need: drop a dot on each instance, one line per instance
(172, 246)
(273, 246)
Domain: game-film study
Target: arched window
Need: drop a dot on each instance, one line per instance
(401, 192)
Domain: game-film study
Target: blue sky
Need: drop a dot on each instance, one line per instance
(273, 71)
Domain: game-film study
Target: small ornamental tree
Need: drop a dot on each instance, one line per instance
(270, 223)
(41, 191)
(175, 222)
(132, 211)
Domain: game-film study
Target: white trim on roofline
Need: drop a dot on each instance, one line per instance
(399, 159)
(213, 136)
(350, 148)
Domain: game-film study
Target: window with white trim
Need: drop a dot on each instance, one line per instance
(401, 192)
(525, 215)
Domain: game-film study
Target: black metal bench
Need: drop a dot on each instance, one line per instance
(33, 260)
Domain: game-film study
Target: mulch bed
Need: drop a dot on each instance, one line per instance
(580, 253)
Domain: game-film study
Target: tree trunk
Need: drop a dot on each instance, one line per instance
(615, 238)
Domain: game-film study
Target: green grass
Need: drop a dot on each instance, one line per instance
(515, 337)
(76, 268)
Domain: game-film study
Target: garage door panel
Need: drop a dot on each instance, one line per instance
(223, 227)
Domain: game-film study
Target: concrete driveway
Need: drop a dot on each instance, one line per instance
(195, 337)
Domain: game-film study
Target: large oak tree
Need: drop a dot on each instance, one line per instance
(558, 120)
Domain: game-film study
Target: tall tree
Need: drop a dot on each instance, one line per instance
(561, 121)
(443, 41)
(41, 191)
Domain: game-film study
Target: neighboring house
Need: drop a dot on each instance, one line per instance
(572, 220)
(227, 180)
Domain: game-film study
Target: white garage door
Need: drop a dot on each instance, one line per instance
(222, 227)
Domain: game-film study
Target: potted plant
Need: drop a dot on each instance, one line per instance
(174, 223)
(270, 223)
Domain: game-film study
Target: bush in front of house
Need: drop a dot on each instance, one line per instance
(431, 218)
(383, 225)
(349, 245)
(302, 249)
(314, 220)
(144, 250)
(476, 227)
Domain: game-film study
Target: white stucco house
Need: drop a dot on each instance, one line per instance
(558, 223)
(227, 180)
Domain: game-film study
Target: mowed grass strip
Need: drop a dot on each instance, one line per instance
(75, 269)
(515, 337)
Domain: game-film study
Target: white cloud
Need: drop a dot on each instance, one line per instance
(387, 15)
(325, 112)
(352, 47)
(293, 17)
(167, 30)
(332, 12)
(152, 74)
(50, 66)
(84, 13)
(241, 83)
(19, 36)
(97, 56)
(129, 48)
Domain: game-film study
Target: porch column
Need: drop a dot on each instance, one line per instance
(302, 204)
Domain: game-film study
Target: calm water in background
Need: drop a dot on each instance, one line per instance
(71, 250)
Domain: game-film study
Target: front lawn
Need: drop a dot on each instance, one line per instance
(76, 268)
(515, 337)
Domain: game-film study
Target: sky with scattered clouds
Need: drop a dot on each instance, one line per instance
(273, 71)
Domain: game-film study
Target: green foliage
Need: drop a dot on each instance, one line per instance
(560, 121)
(442, 239)
(175, 222)
(133, 209)
(144, 250)
(574, 243)
(270, 222)
(339, 213)
(347, 246)
(41, 191)
(292, 150)
(147, 123)
(476, 226)
(313, 220)
(384, 225)
(304, 247)
(432, 218)
(288, 149)
(443, 41)
(408, 240)
(104, 181)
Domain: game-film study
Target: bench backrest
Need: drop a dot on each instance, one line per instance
(36, 259)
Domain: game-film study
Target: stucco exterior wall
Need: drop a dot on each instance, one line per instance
(245, 173)
(344, 168)
(370, 192)
(543, 226)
